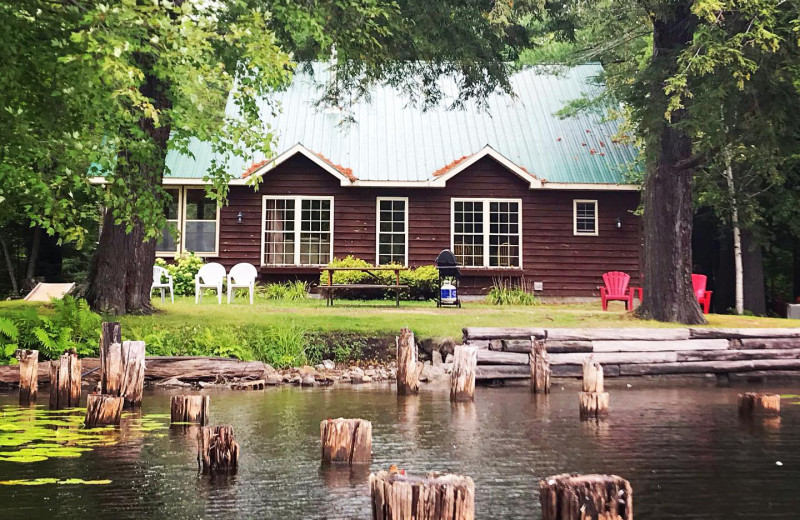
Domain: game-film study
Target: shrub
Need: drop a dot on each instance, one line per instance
(183, 271)
(8, 337)
(281, 346)
(506, 292)
(290, 291)
(423, 281)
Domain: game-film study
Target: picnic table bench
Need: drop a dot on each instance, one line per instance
(330, 288)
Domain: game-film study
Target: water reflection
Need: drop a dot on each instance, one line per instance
(684, 449)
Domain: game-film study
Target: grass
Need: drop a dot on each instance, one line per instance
(381, 317)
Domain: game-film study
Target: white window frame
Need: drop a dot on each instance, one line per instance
(180, 243)
(486, 227)
(378, 201)
(298, 214)
(575, 231)
(178, 226)
(215, 252)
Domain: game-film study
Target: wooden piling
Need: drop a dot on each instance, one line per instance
(462, 378)
(103, 410)
(110, 357)
(579, 497)
(189, 408)
(593, 400)
(65, 381)
(132, 379)
(396, 496)
(217, 449)
(540, 367)
(346, 440)
(407, 382)
(753, 404)
(28, 375)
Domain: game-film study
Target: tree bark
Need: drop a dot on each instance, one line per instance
(10, 266)
(667, 220)
(33, 257)
(755, 299)
(122, 267)
(737, 240)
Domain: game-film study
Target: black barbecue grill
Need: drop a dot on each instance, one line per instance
(448, 269)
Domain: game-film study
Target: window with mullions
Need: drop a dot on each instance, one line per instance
(585, 217)
(392, 215)
(297, 230)
(486, 232)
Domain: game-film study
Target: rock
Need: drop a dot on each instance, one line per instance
(328, 364)
(366, 379)
(448, 368)
(268, 368)
(273, 379)
(308, 380)
(370, 372)
(432, 373)
(449, 359)
(319, 367)
(296, 380)
(355, 378)
(436, 358)
(357, 372)
(307, 370)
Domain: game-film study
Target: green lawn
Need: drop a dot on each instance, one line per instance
(382, 317)
(423, 317)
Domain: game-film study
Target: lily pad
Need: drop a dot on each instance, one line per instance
(43, 481)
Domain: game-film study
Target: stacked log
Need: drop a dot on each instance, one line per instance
(65, 381)
(28, 375)
(407, 381)
(752, 404)
(189, 409)
(110, 357)
(540, 367)
(217, 450)
(586, 497)
(346, 440)
(132, 380)
(462, 378)
(396, 496)
(594, 399)
(103, 410)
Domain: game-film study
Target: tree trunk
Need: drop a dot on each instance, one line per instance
(668, 294)
(737, 239)
(33, 257)
(755, 299)
(122, 267)
(10, 266)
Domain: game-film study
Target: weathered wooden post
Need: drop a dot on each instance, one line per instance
(407, 382)
(593, 399)
(462, 378)
(586, 497)
(110, 357)
(540, 367)
(103, 410)
(217, 449)
(396, 496)
(346, 440)
(65, 381)
(753, 404)
(28, 375)
(132, 380)
(189, 408)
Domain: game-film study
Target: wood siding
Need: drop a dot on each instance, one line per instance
(567, 265)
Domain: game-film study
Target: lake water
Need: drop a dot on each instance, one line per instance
(682, 446)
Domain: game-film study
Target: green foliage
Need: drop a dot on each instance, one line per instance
(506, 292)
(289, 291)
(281, 346)
(183, 271)
(8, 337)
(423, 281)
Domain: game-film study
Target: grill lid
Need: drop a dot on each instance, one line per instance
(447, 265)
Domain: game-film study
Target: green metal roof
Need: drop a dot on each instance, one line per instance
(391, 140)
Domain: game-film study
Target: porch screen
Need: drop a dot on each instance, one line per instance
(297, 231)
(486, 233)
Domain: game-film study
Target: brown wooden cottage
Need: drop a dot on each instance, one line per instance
(514, 190)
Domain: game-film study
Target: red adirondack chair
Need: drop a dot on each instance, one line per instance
(616, 289)
(703, 297)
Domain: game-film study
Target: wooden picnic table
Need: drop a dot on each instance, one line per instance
(330, 288)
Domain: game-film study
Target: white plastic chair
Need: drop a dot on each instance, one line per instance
(159, 273)
(210, 276)
(242, 276)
